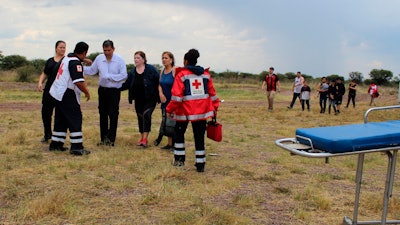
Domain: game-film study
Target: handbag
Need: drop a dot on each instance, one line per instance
(169, 129)
(214, 130)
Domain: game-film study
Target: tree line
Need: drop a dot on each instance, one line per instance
(27, 69)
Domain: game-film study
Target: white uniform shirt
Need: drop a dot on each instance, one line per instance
(64, 80)
(111, 73)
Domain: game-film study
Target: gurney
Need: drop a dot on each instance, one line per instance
(360, 139)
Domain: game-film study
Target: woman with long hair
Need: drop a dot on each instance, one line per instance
(48, 103)
(167, 76)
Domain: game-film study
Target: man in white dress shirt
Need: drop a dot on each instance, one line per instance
(112, 72)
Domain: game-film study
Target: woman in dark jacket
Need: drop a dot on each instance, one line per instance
(143, 83)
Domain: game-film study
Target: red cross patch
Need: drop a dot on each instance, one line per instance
(79, 68)
(60, 71)
(196, 86)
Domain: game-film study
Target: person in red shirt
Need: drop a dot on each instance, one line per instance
(373, 92)
(272, 85)
(193, 99)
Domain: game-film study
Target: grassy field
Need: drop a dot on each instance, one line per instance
(248, 180)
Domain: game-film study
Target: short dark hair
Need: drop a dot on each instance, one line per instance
(271, 68)
(191, 56)
(108, 43)
(81, 47)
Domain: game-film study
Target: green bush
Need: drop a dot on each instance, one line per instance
(25, 74)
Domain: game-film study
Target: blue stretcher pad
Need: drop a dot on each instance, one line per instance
(353, 137)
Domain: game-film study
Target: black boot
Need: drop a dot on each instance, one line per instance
(158, 140)
(179, 160)
(200, 167)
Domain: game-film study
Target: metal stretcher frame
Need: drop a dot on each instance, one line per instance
(290, 144)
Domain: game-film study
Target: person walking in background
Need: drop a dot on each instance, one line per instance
(352, 93)
(332, 92)
(193, 99)
(66, 89)
(305, 96)
(167, 76)
(112, 73)
(48, 103)
(142, 82)
(340, 91)
(323, 94)
(373, 92)
(296, 88)
(272, 85)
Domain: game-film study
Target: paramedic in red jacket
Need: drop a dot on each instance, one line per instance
(193, 99)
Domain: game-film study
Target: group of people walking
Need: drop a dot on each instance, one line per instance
(186, 94)
(331, 92)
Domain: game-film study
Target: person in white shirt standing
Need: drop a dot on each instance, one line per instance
(296, 88)
(112, 73)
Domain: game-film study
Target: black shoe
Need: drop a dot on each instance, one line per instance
(167, 147)
(200, 167)
(157, 141)
(45, 139)
(60, 148)
(106, 142)
(79, 152)
(178, 163)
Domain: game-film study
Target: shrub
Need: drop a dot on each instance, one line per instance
(25, 74)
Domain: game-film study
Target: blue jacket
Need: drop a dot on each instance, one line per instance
(151, 81)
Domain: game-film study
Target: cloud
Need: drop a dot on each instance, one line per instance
(375, 64)
(318, 38)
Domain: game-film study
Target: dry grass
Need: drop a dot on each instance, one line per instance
(248, 180)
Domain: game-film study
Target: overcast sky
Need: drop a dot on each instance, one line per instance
(315, 37)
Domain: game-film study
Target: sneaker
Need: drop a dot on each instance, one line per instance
(167, 147)
(61, 149)
(289, 107)
(79, 152)
(140, 142)
(144, 142)
(178, 163)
